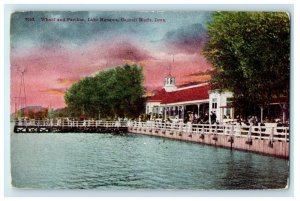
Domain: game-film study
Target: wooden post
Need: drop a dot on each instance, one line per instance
(232, 129)
(271, 138)
(249, 140)
(261, 114)
(222, 115)
(272, 134)
(216, 129)
(180, 126)
(249, 131)
(259, 129)
(283, 108)
(165, 108)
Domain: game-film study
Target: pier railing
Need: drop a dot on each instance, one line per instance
(245, 131)
(250, 132)
(70, 123)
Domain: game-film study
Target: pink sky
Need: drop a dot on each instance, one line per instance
(51, 69)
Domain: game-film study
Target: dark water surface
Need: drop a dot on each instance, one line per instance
(106, 161)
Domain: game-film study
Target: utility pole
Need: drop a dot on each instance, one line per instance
(22, 93)
(16, 107)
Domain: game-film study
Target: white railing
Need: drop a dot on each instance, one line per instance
(70, 123)
(250, 132)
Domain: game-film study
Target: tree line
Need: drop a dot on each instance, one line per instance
(251, 55)
(118, 92)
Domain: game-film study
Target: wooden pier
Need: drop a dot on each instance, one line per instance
(272, 133)
(268, 140)
(95, 126)
(88, 126)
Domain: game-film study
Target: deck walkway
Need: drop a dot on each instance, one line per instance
(88, 126)
(268, 140)
(258, 132)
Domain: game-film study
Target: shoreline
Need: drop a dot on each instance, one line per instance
(277, 149)
(272, 141)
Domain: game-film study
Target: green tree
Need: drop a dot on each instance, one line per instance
(251, 55)
(113, 93)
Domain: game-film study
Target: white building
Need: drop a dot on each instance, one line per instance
(221, 104)
(189, 103)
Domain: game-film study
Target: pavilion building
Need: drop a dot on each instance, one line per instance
(200, 101)
(186, 103)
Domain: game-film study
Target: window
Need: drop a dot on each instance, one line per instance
(155, 110)
(172, 80)
(214, 103)
(229, 101)
(228, 112)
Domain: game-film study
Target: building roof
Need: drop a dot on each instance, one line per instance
(199, 92)
(158, 96)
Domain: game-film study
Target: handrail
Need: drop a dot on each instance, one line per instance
(70, 123)
(251, 132)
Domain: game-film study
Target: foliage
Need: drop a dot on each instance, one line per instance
(251, 55)
(113, 93)
(35, 114)
(63, 112)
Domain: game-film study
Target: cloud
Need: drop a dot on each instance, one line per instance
(194, 80)
(66, 81)
(201, 73)
(188, 83)
(124, 50)
(188, 39)
(196, 77)
(55, 92)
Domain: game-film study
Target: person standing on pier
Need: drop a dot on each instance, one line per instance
(213, 117)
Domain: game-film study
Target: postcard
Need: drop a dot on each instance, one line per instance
(150, 100)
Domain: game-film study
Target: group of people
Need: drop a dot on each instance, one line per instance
(189, 117)
(208, 118)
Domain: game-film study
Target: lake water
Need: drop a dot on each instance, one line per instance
(119, 162)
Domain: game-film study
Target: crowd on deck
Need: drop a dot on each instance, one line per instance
(190, 117)
(212, 119)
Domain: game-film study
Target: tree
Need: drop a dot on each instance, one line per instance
(251, 55)
(116, 92)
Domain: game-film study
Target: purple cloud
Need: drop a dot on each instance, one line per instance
(189, 39)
